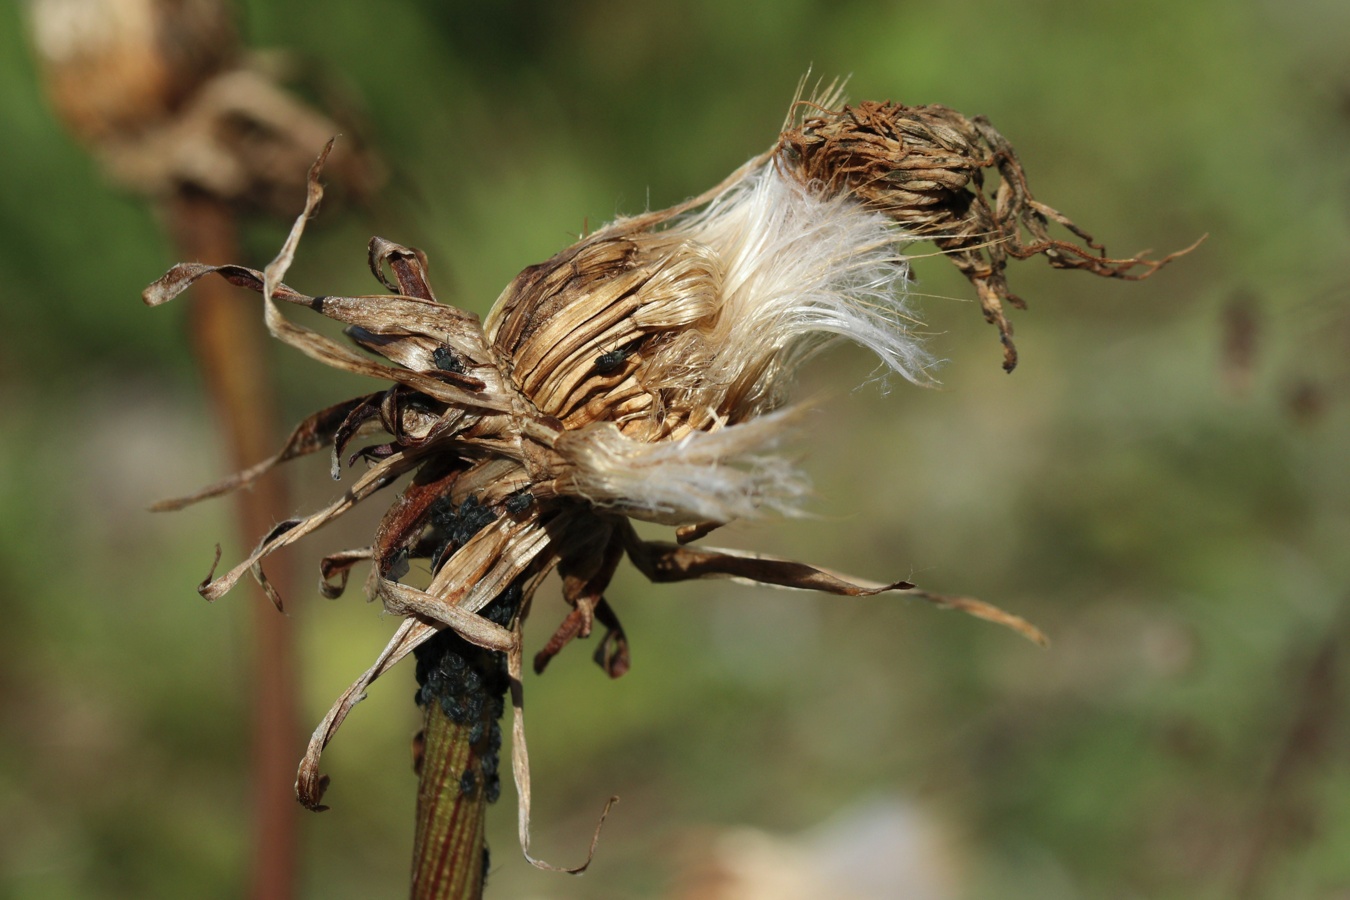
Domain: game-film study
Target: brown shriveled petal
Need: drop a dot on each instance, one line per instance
(687, 534)
(314, 433)
(924, 167)
(520, 767)
(396, 315)
(208, 585)
(309, 785)
(412, 603)
(412, 351)
(663, 562)
(410, 268)
(360, 415)
(322, 349)
(585, 577)
(577, 623)
(289, 532)
(376, 314)
(339, 565)
(314, 345)
(392, 314)
(987, 611)
(475, 574)
(256, 570)
(612, 654)
(492, 480)
(406, 517)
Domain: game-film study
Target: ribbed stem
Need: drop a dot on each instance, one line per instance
(449, 851)
(463, 695)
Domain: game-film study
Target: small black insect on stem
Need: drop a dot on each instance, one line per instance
(611, 359)
(446, 360)
(519, 502)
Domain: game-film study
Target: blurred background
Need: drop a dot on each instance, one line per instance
(1162, 485)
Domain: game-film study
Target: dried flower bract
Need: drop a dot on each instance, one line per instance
(924, 167)
(639, 374)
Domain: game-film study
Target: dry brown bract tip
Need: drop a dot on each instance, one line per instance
(639, 374)
(924, 166)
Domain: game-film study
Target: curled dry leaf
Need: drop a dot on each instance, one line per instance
(638, 374)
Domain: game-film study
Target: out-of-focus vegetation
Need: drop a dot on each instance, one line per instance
(1181, 537)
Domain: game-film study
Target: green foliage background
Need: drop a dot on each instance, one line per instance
(1186, 549)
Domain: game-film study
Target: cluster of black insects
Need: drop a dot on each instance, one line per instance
(467, 682)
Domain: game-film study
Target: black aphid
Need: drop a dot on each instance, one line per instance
(446, 360)
(610, 360)
(398, 566)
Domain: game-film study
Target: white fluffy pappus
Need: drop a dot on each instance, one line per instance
(717, 476)
(791, 269)
(799, 268)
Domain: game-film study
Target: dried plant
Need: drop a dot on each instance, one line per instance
(641, 373)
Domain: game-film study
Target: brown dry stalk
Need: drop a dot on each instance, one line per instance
(639, 374)
(232, 356)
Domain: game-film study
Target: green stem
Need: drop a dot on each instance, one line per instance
(449, 848)
(463, 695)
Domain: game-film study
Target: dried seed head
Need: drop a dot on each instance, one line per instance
(119, 66)
(714, 312)
(163, 95)
(637, 374)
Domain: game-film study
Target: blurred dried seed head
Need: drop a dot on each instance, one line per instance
(115, 67)
(165, 97)
(638, 374)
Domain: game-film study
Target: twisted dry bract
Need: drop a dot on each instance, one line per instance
(924, 166)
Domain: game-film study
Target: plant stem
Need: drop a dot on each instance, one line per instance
(463, 693)
(229, 344)
(449, 851)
